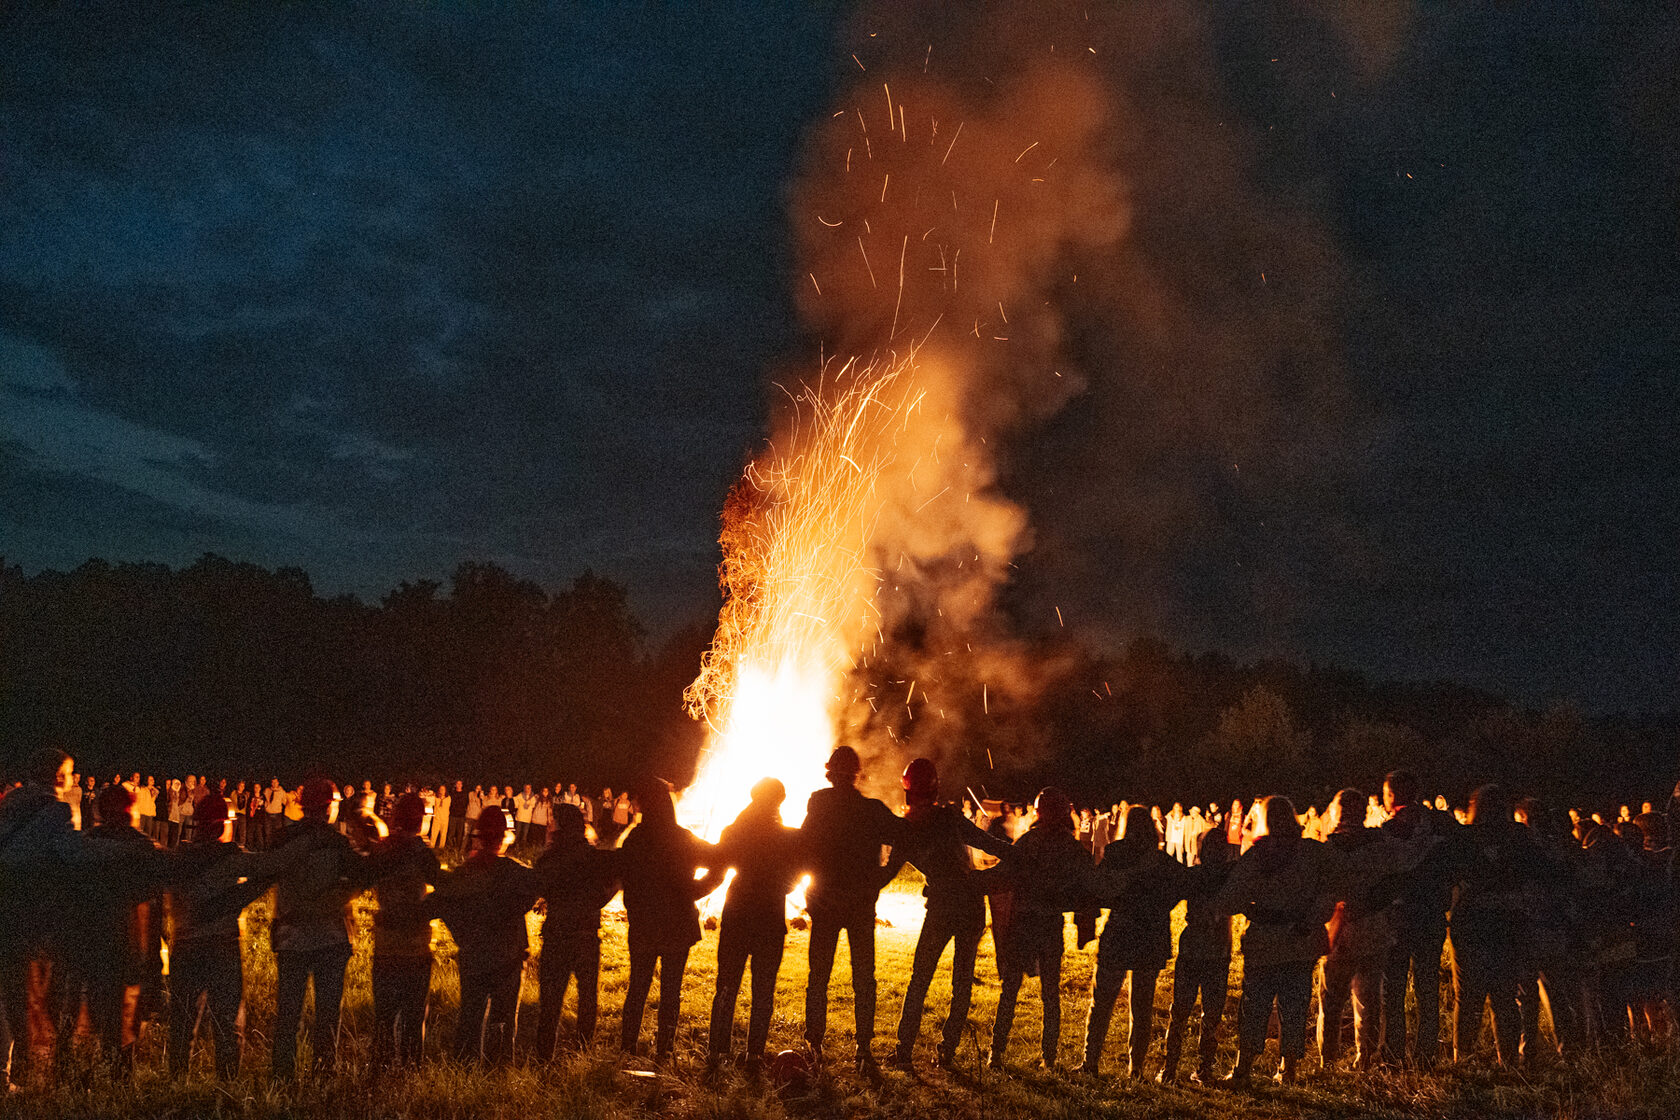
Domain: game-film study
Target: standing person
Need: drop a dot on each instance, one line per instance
(484, 903)
(274, 808)
(1502, 873)
(1141, 885)
(1417, 922)
(81, 807)
(476, 800)
(575, 880)
(541, 812)
(624, 813)
(145, 797)
(1049, 876)
(444, 803)
(602, 817)
(660, 862)
(38, 847)
(845, 833)
(115, 926)
(1195, 827)
(1359, 933)
(1174, 825)
(404, 868)
(768, 858)
(1104, 831)
(212, 880)
(235, 802)
(173, 798)
(524, 804)
(191, 791)
(310, 933)
(256, 812)
(1203, 964)
(939, 841)
(1284, 884)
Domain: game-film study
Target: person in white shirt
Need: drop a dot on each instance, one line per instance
(523, 802)
(145, 799)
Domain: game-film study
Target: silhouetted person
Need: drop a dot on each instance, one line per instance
(1501, 872)
(310, 933)
(1417, 921)
(1557, 943)
(1285, 885)
(937, 840)
(575, 880)
(1202, 967)
(1141, 885)
(1048, 876)
(212, 880)
(845, 833)
(768, 858)
(1359, 933)
(114, 933)
(38, 849)
(484, 903)
(403, 867)
(661, 860)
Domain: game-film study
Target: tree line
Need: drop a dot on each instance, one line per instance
(231, 668)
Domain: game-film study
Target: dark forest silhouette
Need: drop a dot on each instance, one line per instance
(228, 668)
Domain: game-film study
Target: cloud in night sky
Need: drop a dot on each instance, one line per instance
(373, 290)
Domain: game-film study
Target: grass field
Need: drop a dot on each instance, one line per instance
(599, 1084)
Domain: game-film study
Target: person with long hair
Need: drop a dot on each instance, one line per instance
(661, 862)
(1284, 884)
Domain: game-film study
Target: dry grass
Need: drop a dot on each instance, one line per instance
(598, 1085)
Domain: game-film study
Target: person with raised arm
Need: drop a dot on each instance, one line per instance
(939, 842)
(845, 835)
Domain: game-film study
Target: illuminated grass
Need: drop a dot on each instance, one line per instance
(594, 1085)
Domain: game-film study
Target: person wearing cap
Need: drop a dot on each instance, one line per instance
(114, 928)
(404, 870)
(484, 903)
(845, 834)
(310, 932)
(768, 859)
(662, 869)
(1049, 876)
(939, 842)
(576, 880)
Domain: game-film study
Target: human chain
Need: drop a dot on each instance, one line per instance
(1361, 900)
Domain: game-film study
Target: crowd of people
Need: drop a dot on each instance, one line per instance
(1362, 902)
(168, 812)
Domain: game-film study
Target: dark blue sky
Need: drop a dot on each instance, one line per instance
(374, 290)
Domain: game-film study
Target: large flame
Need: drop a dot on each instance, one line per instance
(870, 537)
(798, 592)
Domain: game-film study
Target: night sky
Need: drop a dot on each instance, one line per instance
(372, 290)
